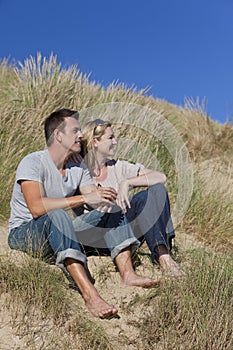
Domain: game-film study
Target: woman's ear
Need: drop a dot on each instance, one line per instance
(95, 142)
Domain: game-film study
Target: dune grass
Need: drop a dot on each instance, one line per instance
(190, 314)
(210, 217)
(43, 312)
(194, 313)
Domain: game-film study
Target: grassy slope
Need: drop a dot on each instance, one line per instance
(30, 92)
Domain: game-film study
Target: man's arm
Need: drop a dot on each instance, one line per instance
(101, 200)
(39, 205)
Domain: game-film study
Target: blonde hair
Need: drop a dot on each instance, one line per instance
(93, 129)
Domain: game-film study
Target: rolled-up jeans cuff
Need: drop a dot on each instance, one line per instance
(133, 243)
(70, 253)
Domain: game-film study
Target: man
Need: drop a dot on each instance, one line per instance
(47, 183)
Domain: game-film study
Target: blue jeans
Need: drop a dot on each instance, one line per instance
(56, 232)
(150, 218)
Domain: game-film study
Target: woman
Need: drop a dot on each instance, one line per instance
(149, 210)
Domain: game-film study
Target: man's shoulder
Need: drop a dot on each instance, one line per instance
(34, 155)
(32, 159)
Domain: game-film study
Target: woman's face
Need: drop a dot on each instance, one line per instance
(106, 146)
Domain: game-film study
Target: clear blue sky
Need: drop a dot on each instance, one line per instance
(180, 48)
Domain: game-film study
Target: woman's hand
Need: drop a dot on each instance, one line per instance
(107, 193)
(122, 199)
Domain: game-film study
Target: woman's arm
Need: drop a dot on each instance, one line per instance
(146, 178)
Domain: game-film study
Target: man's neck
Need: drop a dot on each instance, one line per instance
(58, 156)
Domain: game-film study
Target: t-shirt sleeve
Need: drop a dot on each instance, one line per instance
(86, 177)
(29, 169)
(129, 169)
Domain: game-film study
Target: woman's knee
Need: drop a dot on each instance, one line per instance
(158, 189)
(140, 197)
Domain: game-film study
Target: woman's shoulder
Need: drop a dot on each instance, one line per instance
(117, 163)
(123, 165)
(111, 162)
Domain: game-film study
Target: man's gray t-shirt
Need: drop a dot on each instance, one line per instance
(39, 166)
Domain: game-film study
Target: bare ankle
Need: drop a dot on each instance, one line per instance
(170, 266)
(162, 250)
(90, 295)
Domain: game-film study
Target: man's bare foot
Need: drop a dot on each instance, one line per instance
(132, 279)
(95, 304)
(99, 308)
(169, 267)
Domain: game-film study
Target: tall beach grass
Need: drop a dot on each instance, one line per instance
(192, 313)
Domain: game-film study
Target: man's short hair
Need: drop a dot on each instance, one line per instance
(56, 120)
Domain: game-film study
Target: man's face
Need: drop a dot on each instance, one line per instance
(71, 135)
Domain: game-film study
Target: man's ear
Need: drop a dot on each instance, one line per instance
(57, 135)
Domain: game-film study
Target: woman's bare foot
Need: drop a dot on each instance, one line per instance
(169, 267)
(128, 275)
(99, 308)
(132, 279)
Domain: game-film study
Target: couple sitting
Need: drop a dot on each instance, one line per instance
(48, 182)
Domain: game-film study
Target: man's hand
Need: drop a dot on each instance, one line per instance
(102, 199)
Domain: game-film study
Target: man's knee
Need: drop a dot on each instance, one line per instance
(59, 217)
(57, 213)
